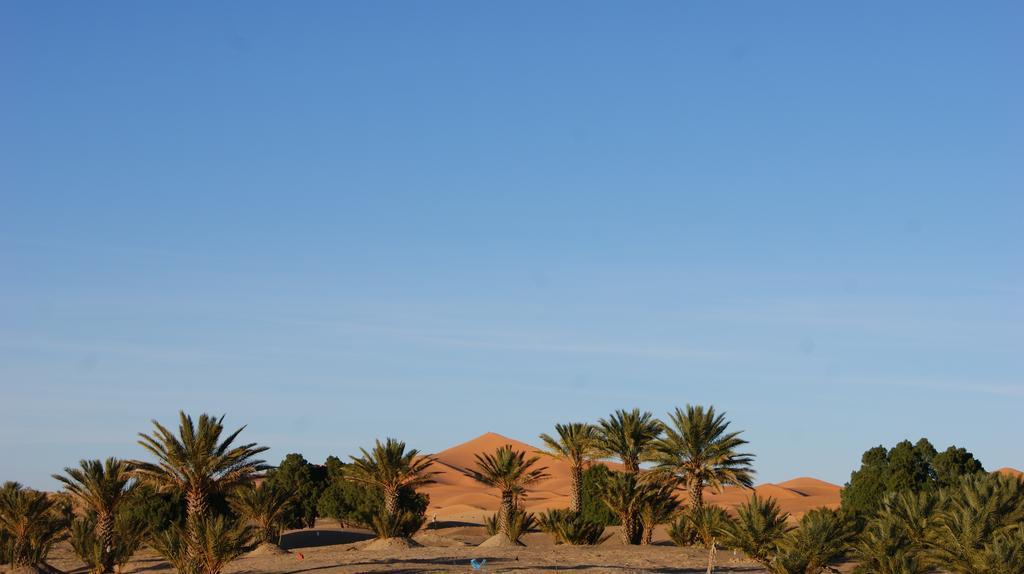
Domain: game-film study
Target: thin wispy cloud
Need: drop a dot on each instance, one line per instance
(520, 342)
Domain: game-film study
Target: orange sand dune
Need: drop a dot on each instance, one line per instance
(1011, 471)
(455, 496)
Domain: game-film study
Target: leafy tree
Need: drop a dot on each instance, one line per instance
(949, 465)
(306, 482)
(354, 503)
(512, 473)
(914, 467)
(100, 488)
(390, 468)
(593, 507)
(576, 444)
(154, 511)
(699, 452)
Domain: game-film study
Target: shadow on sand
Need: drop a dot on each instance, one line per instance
(313, 538)
(510, 564)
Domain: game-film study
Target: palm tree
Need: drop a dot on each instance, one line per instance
(821, 540)
(699, 452)
(576, 444)
(979, 511)
(624, 496)
(758, 529)
(510, 472)
(265, 506)
(628, 436)
(100, 487)
(884, 547)
(389, 467)
(658, 506)
(31, 524)
(217, 541)
(197, 462)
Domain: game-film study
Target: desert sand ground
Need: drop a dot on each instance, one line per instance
(329, 549)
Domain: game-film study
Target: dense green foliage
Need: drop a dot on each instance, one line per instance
(265, 507)
(390, 468)
(519, 523)
(128, 535)
(973, 527)
(702, 525)
(821, 539)
(914, 467)
(157, 511)
(32, 524)
(205, 546)
(572, 528)
(593, 508)
(306, 482)
(352, 503)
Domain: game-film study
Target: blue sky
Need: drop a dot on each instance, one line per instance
(342, 221)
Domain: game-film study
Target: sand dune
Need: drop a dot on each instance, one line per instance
(1011, 471)
(458, 497)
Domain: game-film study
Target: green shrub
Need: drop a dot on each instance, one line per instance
(220, 539)
(522, 522)
(570, 528)
(705, 525)
(129, 535)
(593, 509)
(979, 520)
(758, 528)
(821, 540)
(32, 523)
(355, 504)
(402, 525)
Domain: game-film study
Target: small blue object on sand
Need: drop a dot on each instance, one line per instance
(477, 564)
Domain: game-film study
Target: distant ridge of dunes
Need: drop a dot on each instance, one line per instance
(455, 496)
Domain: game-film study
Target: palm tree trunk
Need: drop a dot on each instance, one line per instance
(391, 502)
(697, 495)
(196, 508)
(630, 533)
(19, 554)
(105, 534)
(576, 489)
(507, 514)
(647, 534)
